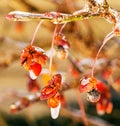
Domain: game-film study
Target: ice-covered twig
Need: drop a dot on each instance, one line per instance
(24, 102)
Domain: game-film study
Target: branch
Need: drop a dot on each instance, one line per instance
(92, 9)
(77, 115)
(54, 17)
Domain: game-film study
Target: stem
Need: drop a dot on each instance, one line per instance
(62, 27)
(52, 46)
(82, 109)
(36, 30)
(106, 39)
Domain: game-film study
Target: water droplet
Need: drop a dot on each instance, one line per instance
(55, 111)
(32, 75)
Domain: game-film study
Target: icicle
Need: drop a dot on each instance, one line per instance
(32, 75)
(38, 49)
(55, 111)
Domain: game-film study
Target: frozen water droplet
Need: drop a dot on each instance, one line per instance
(85, 81)
(100, 112)
(93, 96)
(38, 49)
(55, 111)
(99, 1)
(50, 52)
(32, 75)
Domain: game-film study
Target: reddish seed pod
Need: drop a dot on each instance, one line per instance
(36, 68)
(57, 78)
(27, 55)
(100, 109)
(52, 88)
(109, 108)
(61, 52)
(49, 91)
(104, 90)
(32, 54)
(101, 87)
(33, 86)
(93, 96)
(87, 84)
(104, 105)
(32, 58)
(60, 40)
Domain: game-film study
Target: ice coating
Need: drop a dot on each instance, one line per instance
(55, 111)
(32, 75)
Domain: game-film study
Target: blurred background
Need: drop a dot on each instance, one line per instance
(85, 38)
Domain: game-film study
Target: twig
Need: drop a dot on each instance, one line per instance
(36, 30)
(52, 46)
(92, 9)
(82, 108)
(107, 38)
(77, 115)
